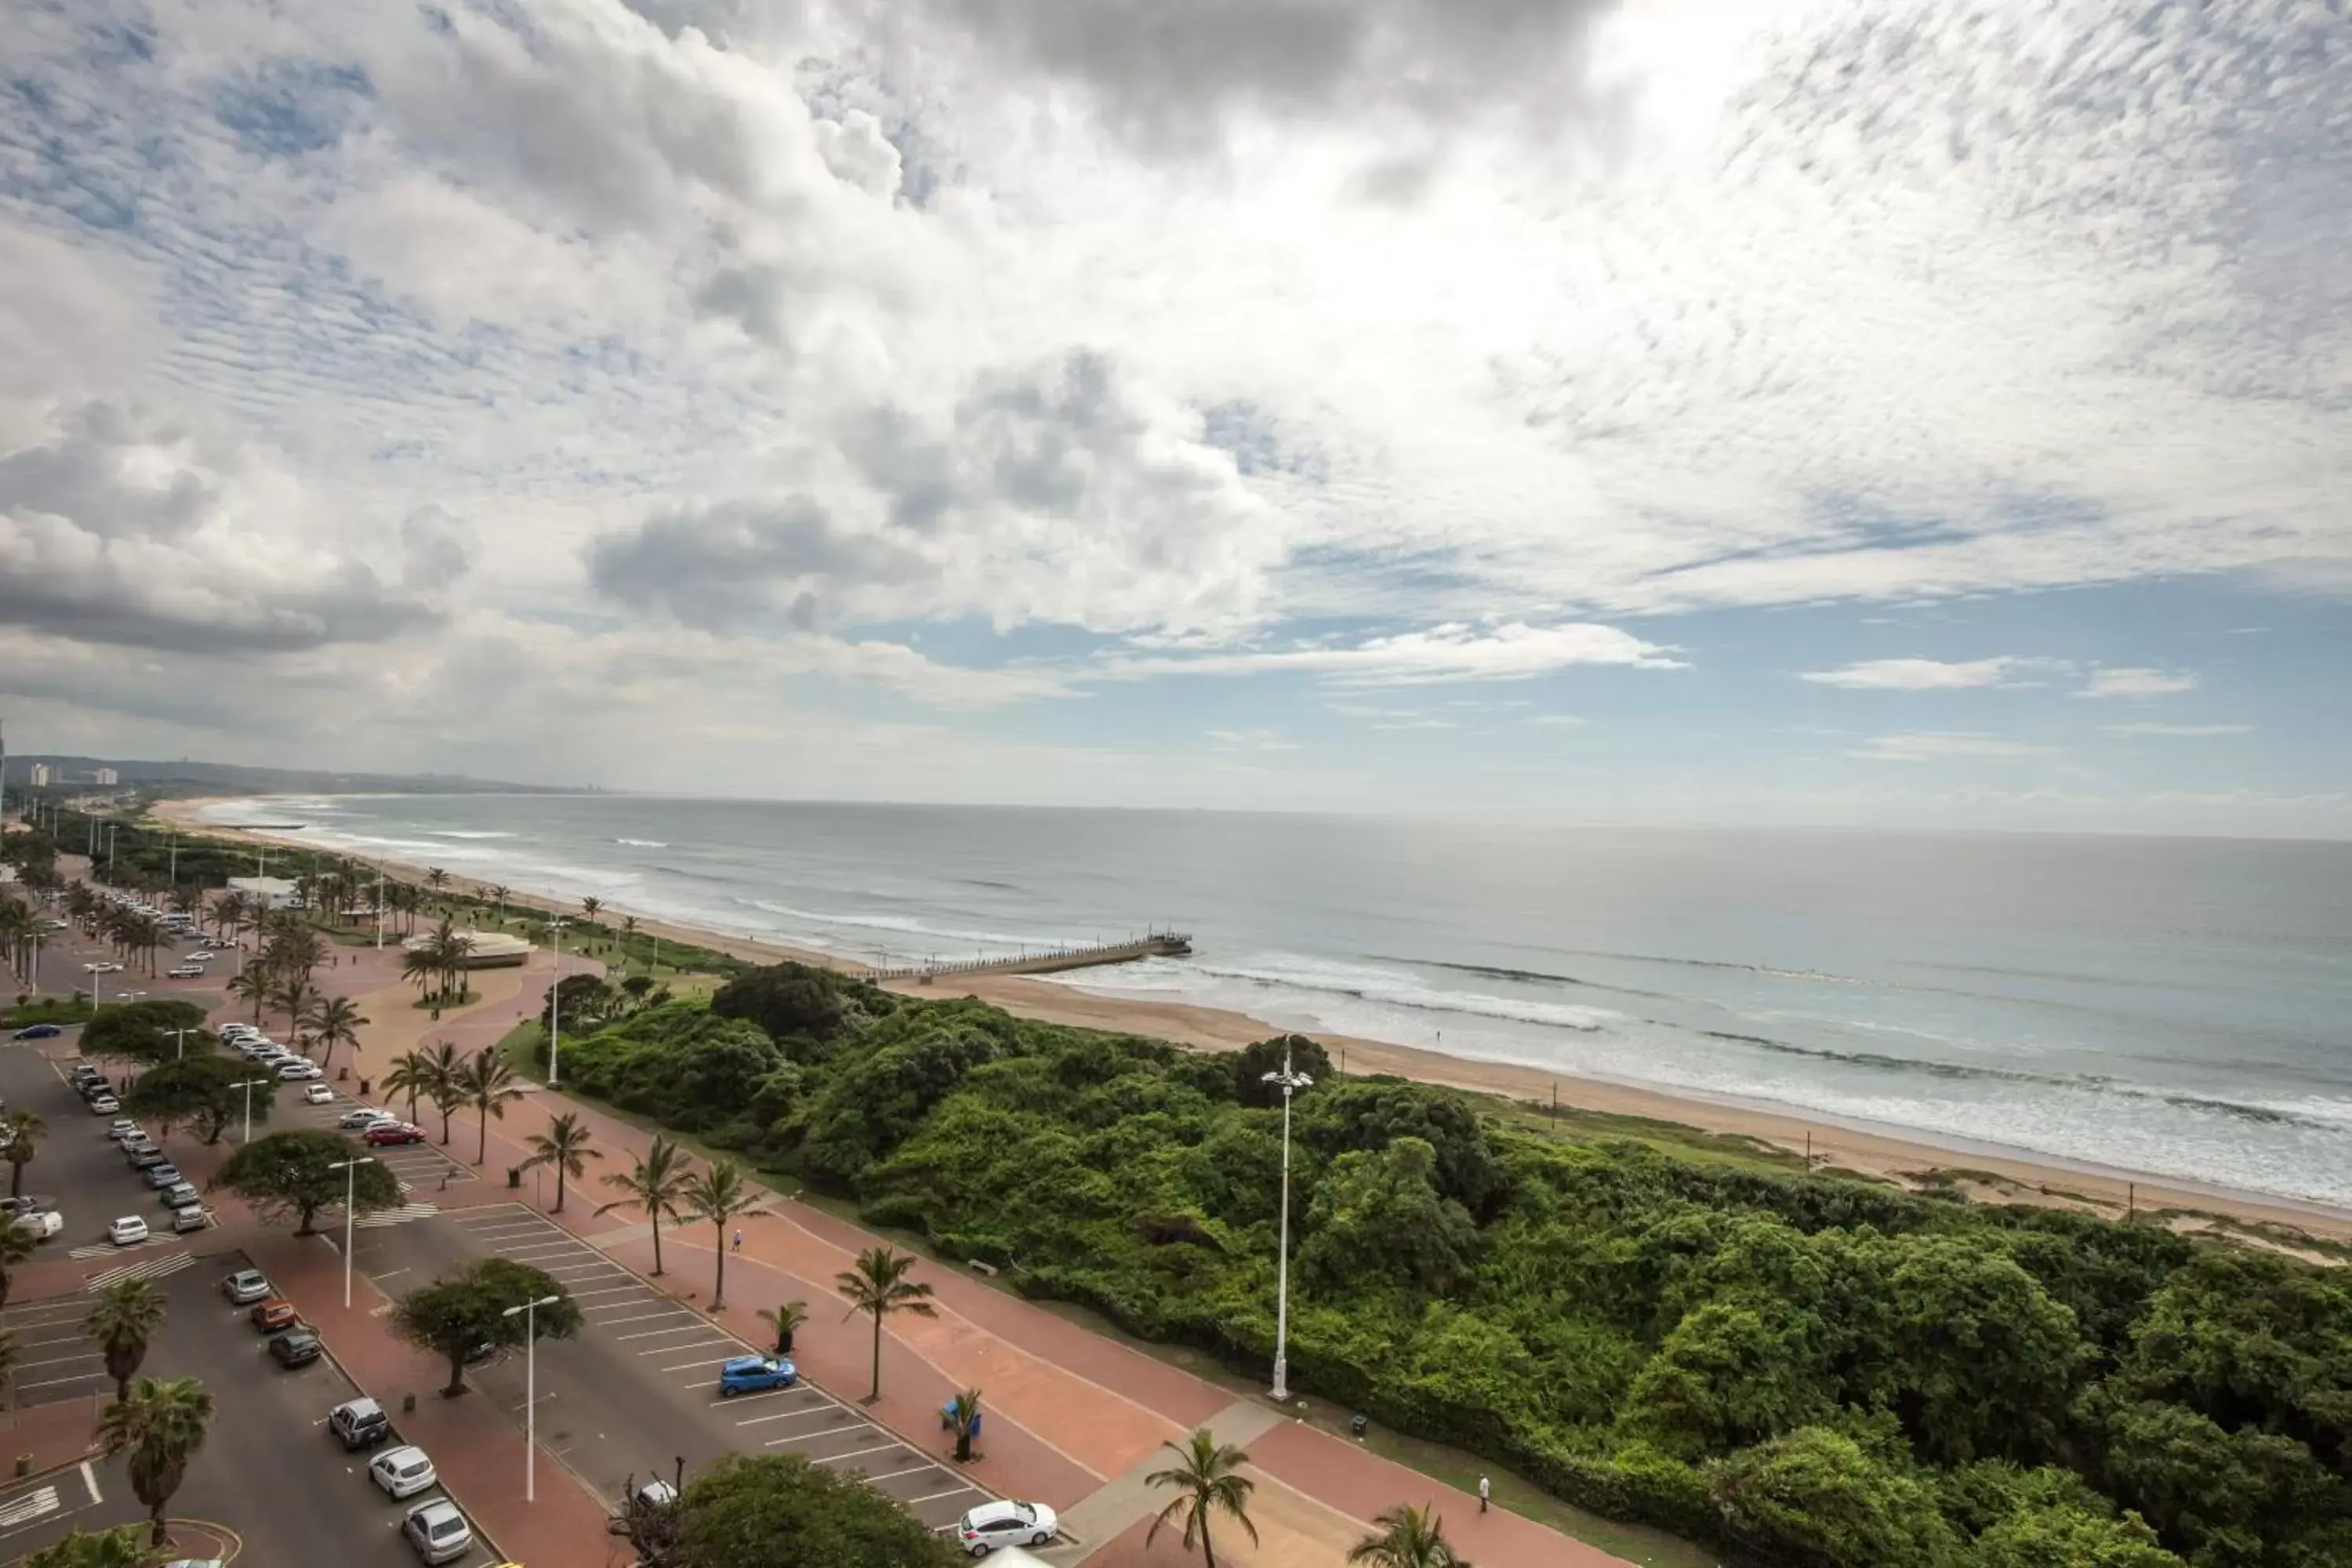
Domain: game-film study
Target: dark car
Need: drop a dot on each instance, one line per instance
(359, 1423)
(39, 1032)
(275, 1316)
(392, 1134)
(299, 1348)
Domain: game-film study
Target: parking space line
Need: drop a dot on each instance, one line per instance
(505, 1250)
(856, 1453)
(61, 1360)
(641, 1318)
(56, 1382)
(910, 1470)
(935, 1497)
(673, 1350)
(611, 1290)
(691, 1365)
(656, 1333)
(583, 1267)
(69, 1339)
(786, 1415)
(507, 1225)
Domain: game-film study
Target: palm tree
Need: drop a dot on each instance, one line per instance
(1207, 1480)
(296, 997)
(251, 982)
(1407, 1537)
(719, 1194)
(563, 1146)
(411, 1073)
(16, 1245)
(500, 892)
(124, 1321)
(336, 1022)
(118, 1548)
(436, 878)
(160, 1423)
(656, 1183)
(877, 1284)
(444, 1073)
(10, 1353)
(589, 906)
(486, 1084)
(964, 1414)
(417, 967)
(785, 1320)
(23, 1131)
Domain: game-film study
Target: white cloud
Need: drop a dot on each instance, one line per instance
(2138, 683)
(1919, 674)
(1249, 741)
(1444, 654)
(1931, 747)
(2187, 730)
(1562, 719)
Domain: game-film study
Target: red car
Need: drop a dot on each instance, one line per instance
(274, 1316)
(393, 1132)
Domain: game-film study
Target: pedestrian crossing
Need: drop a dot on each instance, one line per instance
(33, 1505)
(377, 1218)
(153, 1268)
(108, 1248)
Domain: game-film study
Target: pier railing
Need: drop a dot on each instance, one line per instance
(1156, 944)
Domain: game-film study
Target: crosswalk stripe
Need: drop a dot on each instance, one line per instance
(376, 1218)
(29, 1507)
(108, 1248)
(153, 1269)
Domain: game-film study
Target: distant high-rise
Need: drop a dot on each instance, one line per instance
(104, 777)
(43, 775)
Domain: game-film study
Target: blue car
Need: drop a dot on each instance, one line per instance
(754, 1374)
(39, 1032)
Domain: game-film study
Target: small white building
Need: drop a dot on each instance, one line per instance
(105, 777)
(264, 892)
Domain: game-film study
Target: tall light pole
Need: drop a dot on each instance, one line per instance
(379, 903)
(1290, 1082)
(181, 1054)
(555, 1004)
(529, 1310)
(250, 1085)
(350, 1170)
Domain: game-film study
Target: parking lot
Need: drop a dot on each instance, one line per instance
(269, 1466)
(421, 1168)
(639, 1386)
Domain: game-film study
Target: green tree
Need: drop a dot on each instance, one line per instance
(1406, 1537)
(140, 1031)
(202, 1092)
(464, 1311)
(784, 1322)
(1207, 1480)
(877, 1286)
(122, 1323)
(293, 1174)
(1732, 1373)
(1252, 1062)
(656, 1183)
(1378, 1214)
(488, 1085)
(964, 1414)
(337, 1021)
(444, 1081)
(11, 1353)
(1817, 1497)
(779, 1511)
(160, 1425)
(2071, 1538)
(719, 1194)
(23, 1132)
(252, 983)
(565, 1145)
(410, 1074)
(118, 1548)
(16, 1245)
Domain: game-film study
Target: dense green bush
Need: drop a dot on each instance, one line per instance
(1798, 1370)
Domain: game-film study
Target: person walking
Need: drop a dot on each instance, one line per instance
(739, 1242)
(1485, 1489)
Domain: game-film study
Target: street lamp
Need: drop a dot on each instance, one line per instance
(555, 1005)
(350, 1170)
(529, 1310)
(1290, 1082)
(182, 1054)
(250, 1085)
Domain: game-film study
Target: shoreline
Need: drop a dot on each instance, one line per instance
(1889, 1153)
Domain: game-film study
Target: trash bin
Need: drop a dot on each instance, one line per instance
(1356, 1426)
(514, 1176)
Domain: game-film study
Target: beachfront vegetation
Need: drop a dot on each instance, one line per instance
(464, 1314)
(295, 1175)
(205, 1092)
(1792, 1368)
(780, 1510)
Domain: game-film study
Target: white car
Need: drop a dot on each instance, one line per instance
(298, 1068)
(186, 972)
(437, 1531)
(318, 1094)
(124, 1129)
(43, 1223)
(402, 1472)
(103, 968)
(190, 1217)
(363, 1118)
(238, 1031)
(127, 1231)
(994, 1524)
(104, 1105)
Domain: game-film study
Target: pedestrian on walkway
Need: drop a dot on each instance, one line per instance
(1484, 1487)
(738, 1241)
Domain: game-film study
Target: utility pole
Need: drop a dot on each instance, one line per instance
(1289, 1082)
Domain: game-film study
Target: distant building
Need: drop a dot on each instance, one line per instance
(105, 776)
(268, 892)
(44, 776)
(484, 949)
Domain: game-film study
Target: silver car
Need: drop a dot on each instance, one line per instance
(437, 1531)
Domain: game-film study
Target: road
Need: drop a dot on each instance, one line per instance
(638, 1390)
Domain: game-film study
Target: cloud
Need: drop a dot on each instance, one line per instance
(2138, 683)
(1444, 654)
(1919, 674)
(1248, 741)
(2180, 730)
(739, 561)
(1932, 747)
(1564, 718)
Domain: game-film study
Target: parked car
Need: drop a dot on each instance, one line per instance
(164, 1177)
(179, 1195)
(147, 1159)
(39, 1032)
(437, 1531)
(275, 1316)
(190, 1217)
(19, 1205)
(246, 1287)
(755, 1374)
(82, 1072)
(318, 1094)
(389, 1134)
(402, 1472)
(359, 1423)
(298, 1069)
(994, 1524)
(138, 1142)
(104, 1105)
(125, 1129)
(43, 1223)
(186, 972)
(299, 1348)
(363, 1116)
(127, 1231)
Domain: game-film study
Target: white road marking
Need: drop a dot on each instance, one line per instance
(657, 1333)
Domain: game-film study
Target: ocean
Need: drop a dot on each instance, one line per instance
(2175, 1007)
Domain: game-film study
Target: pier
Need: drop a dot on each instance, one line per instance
(1156, 944)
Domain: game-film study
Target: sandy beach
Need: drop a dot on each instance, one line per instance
(2015, 1176)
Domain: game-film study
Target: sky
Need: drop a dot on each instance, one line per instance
(1893, 414)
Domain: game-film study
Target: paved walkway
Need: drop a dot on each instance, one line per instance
(1073, 1420)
